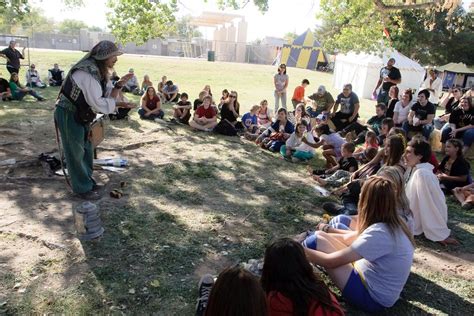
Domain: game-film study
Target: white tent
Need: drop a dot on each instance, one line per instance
(363, 71)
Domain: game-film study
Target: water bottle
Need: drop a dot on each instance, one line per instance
(87, 221)
(116, 162)
(119, 162)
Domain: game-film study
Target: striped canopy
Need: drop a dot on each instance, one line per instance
(305, 52)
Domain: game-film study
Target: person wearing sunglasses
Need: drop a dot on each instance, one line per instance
(281, 83)
(229, 114)
(449, 103)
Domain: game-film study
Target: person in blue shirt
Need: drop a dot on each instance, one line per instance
(249, 119)
(276, 135)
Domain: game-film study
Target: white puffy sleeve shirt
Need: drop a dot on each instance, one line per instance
(93, 92)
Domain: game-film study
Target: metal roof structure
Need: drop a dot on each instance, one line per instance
(214, 19)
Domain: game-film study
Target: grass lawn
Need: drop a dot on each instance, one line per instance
(193, 204)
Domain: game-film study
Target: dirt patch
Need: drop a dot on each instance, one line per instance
(194, 203)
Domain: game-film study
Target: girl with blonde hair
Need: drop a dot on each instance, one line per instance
(371, 270)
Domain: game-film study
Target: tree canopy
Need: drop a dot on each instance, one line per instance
(432, 31)
(430, 34)
(140, 20)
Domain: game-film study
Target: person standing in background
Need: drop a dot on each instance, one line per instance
(13, 56)
(389, 76)
(298, 94)
(281, 83)
(434, 85)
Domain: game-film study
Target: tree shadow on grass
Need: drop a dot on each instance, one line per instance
(420, 293)
(146, 258)
(422, 296)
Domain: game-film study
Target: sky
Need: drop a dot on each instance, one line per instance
(280, 19)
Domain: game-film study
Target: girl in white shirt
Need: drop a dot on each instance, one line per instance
(294, 147)
(402, 108)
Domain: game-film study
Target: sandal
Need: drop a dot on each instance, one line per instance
(450, 241)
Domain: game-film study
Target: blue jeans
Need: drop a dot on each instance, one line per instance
(19, 95)
(439, 123)
(383, 97)
(467, 136)
(159, 115)
(426, 129)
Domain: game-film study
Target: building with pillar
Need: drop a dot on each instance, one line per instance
(229, 37)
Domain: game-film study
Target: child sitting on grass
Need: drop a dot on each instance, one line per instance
(291, 286)
(276, 135)
(341, 173)
(293, 149)
(453, 170)
(373, 124)
(182, 109)
(370, 142)
(331, 143)
(370, 271)
(205, 117)
(387, 125)
(264, 115)
(249, 120)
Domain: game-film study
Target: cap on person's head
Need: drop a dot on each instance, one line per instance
(12, 42)
(321, 89)
(392, 59)
(104, 50)
(131, 70)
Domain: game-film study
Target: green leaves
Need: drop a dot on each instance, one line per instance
(140, 20)
(351, 25)
(262, 5)
(432, 35)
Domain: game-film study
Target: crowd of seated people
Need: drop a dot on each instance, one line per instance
(12, 89)
(389, 185)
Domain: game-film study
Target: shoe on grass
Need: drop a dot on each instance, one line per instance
(205, 286)
(97, 187)
(91, 195)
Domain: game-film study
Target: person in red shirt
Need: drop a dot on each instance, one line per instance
(298, 94)
(291, 286)
(151, 106)
(205, 117)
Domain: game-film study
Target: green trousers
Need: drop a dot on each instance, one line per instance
(77, 148)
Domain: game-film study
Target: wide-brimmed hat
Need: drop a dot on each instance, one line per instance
(104, 50)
